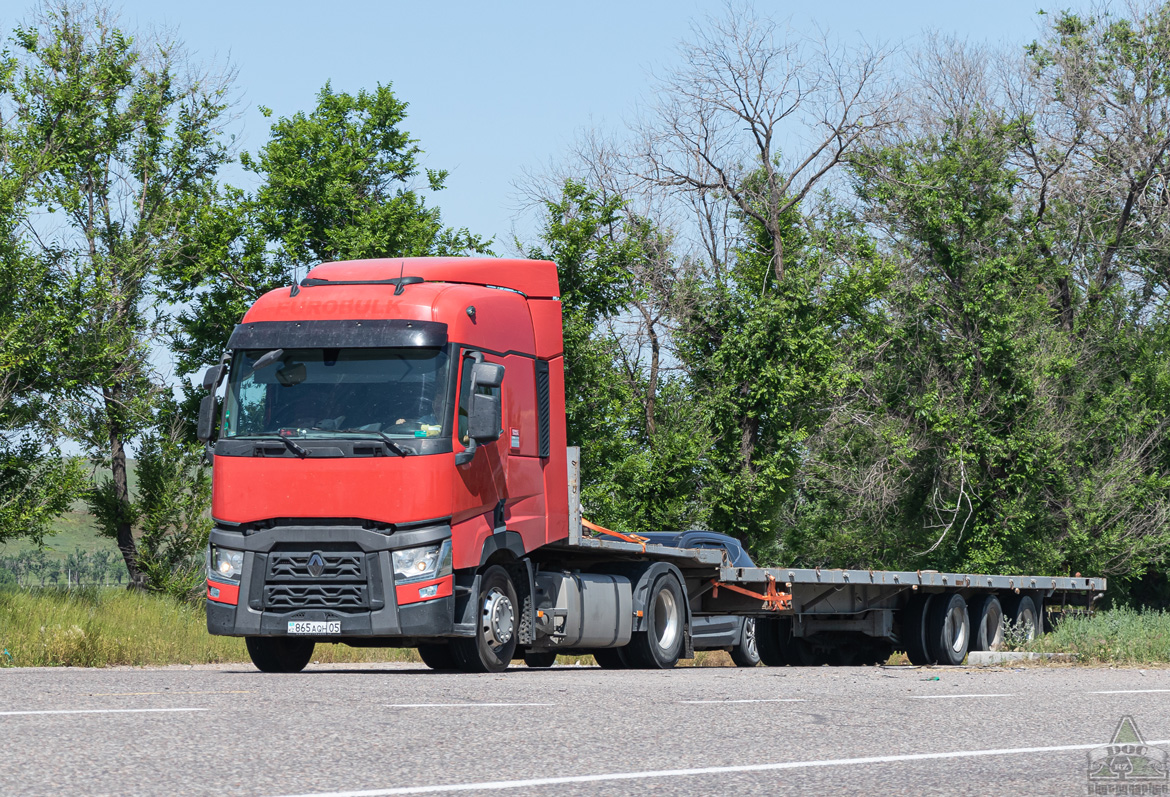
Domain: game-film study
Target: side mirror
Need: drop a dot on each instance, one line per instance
(207, 409)
(483, 425)
(483, 422)
(486, 375)
(212, 376)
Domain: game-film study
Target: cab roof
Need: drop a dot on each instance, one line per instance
(535, 279)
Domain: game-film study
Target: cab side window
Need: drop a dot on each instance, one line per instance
(465, 398)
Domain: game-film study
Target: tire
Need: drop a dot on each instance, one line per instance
(912, 619)
(497, 631)
(772, 636)
(986, 613)
(540, 659)
(660, 645)
(279, 654)
(746, 653)
(437, 656)
(611, 658)
(948, 629)
(1021, 610)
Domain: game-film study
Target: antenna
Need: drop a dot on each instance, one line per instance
(400, 288)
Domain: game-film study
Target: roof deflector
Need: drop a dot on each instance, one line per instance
(399, 283)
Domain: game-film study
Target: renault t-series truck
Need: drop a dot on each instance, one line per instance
(390, 469)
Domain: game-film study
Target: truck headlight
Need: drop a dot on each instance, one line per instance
(417, 564)
(224, 565)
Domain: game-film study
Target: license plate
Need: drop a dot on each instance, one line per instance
(314, 627)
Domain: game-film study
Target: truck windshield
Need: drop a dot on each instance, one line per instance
(335, 392)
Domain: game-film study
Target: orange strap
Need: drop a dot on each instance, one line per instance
(771, 598)
(634, 538)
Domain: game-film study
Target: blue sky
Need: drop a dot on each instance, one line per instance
(497, 89)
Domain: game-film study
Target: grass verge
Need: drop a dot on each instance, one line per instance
(1117, 636)
(93, 627)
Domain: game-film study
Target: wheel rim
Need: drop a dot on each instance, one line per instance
(666, 619)
(498, 618)
(1028, 621)
(956, 629)
(993, 627)
(749, 637)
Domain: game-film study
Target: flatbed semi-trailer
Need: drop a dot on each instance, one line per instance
(390, 469)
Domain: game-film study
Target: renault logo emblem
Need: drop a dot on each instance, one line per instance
(316, 565)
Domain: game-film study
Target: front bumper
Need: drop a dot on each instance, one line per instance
(356, 586)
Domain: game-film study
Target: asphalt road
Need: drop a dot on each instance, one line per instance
(390, 729)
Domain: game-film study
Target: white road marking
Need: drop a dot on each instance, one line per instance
(944, 697)
(99, 711)
(498, 785)
(759, 700)
(1127, 692)
(461, 705)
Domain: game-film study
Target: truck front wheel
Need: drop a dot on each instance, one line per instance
(279, 654)
(437, 656)
(496, 631)
(660, 645)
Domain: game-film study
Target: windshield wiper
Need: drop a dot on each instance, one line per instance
(300, 451)
(390, 444)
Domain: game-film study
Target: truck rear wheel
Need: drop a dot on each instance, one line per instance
(948, 629)
(986, 615)
(659, 646)
(746, 653)
(279, 654)
(437, 656)
(494, 644)
(611, 659)
(540, 658)
(912, 620)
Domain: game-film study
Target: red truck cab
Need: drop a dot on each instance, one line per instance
(389, 428)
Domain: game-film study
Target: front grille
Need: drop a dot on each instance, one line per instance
(294, 566)
(342, 597)
(342, 583)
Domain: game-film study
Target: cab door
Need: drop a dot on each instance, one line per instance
(480, 484)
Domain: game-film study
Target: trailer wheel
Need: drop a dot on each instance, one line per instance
(1021, 611)
(611, 658)
(912, 619)
(279, 654)
(496, 632)
(986, 615)
(437, 656)
(948, 629)
(540, 658)
(772, 635)
(746, 653)
(659, 646)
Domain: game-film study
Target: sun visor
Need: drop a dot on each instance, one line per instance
(365, 334)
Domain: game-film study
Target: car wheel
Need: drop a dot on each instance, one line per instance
(746, 653)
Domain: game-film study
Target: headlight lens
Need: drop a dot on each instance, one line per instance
(417, 564)
(224, 565)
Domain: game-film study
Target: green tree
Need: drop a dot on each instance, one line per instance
(122, 145)
(637, 429)
(337, 183)
(36, 482)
